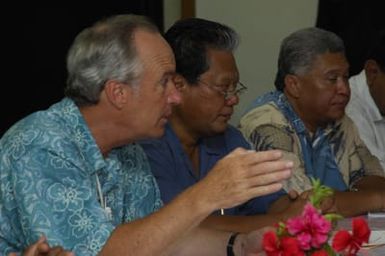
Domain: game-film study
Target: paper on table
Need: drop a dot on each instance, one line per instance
(377, 238)
(376, 214)
(379, 214)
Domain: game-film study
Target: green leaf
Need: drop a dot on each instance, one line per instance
(329, 250)
(319, 193)
(333, 217)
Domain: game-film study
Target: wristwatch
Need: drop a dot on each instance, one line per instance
(230, 244)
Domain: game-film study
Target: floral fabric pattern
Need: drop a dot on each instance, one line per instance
(48, 167)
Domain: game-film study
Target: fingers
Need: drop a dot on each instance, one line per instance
(256, 163)
(41, 247)
(255, 157)
(328, 205)
(263, 190)
(293, 194)
(268, 178)
(243, 175)
(59, 251)
(38, 248)
(306, 194)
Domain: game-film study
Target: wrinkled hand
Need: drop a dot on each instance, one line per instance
(41, 248)
(244, 174)
(328, 205)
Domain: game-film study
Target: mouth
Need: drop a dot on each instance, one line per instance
(340, 103)
(226, 116)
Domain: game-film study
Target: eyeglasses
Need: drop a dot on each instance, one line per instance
(238, 89)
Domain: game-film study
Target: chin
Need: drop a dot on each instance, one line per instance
(159, 133)
(154, 134)
(220, 128)
(340, 115)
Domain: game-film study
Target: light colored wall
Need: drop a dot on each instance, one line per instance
(262, 24)
(171, 12)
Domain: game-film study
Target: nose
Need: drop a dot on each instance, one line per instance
(173, 96)
(232, 100)
(343, 87)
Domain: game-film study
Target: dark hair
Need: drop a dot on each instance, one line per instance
(377, 51)
(299, 50)
(103, 52)
(190, 38)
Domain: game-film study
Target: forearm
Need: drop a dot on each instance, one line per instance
(210, 242)
(370, 196)
(242, 223)
(280, 205)
(351, 204)
(161, 231)
(204, 241)
(235, 179)
(372, 182)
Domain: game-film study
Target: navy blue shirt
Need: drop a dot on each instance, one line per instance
(174, 173)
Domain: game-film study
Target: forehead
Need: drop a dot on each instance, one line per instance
(154, 51)
(221, 63)
(330, 62)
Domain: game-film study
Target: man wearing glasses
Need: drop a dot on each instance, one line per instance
(198, 133)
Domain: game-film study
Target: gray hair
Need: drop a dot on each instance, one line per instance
(102, 52)
(299, 50)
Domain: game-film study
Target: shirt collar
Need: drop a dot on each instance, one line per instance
(82, 136)
(212, 145)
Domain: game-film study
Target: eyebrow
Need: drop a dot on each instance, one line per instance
(170, 73)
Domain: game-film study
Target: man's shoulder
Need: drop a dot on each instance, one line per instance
(234, 138)
(266, 114)
(268, 111)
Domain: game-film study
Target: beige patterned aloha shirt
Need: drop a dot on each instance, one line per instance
(267, 128)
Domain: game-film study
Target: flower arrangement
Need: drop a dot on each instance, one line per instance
(311, 232)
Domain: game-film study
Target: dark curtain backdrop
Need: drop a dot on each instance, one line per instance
(357, 22)
(36, 42)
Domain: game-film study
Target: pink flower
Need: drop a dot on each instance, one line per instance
(348, 243)
(311, 228)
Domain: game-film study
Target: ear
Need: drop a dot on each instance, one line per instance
(292, 85)
(371, 70)
(117, 93)
(179, 81)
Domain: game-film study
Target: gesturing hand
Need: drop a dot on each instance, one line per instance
(245, 174)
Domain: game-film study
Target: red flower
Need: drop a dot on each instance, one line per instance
(286, 246)
(320, 253)
(351, 243)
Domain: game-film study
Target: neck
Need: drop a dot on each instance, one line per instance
(105, 132)
(189, 141)
(185, 134)
(310, 123)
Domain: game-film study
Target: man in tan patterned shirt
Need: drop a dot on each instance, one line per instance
(305, 118)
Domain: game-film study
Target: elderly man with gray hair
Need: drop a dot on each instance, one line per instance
(305, 118)
(73, 172)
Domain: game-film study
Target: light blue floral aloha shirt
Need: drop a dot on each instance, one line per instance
(49, 162)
